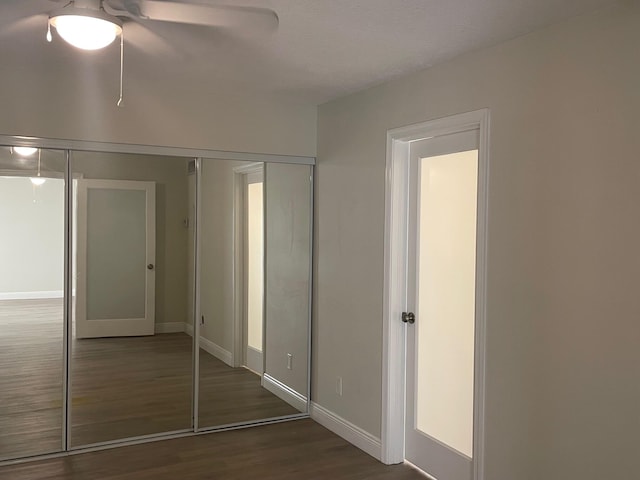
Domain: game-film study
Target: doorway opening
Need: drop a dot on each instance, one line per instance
(253, 271)
(249, 267)
(434, 312)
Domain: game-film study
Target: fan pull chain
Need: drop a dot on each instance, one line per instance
(121, 66)
(49, 37)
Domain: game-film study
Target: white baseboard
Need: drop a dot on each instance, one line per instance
(216, 350)
(254, 360)
(170, 327)
(347, 430)
(284, 392)
(207, 345)
(31, 295)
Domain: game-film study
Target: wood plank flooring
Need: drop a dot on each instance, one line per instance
(30, 376)
(299, 450)
(121, 387)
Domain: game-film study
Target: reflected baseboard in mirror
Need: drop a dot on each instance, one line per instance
(125, 256)
(233, 395)
(32, 241)
(254, 275)
(148, 390)
(131, 257)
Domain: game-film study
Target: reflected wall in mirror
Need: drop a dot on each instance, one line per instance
(131, 368)
(287, 281)
(254, 291)
(32, 193)
(132, 296)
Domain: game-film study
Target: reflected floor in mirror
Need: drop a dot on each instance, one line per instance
(30, 377)
(231, 395)
(122, 387)
(130, 386)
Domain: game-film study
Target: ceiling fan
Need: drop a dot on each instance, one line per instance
(95, 24)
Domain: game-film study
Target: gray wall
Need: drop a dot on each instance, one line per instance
(287, 271)
(56, 91)
(562, 329)
(287, 247)
(170, 175)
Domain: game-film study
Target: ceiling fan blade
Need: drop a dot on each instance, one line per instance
(142, 38)
(249, 18)
(24, 24)
(12, 10)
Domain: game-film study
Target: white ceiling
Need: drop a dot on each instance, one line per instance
(323, 48)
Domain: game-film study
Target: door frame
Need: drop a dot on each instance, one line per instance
(239, 174)
(395, 279)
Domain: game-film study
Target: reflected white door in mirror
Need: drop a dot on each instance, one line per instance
(116, 222)
(154, 293)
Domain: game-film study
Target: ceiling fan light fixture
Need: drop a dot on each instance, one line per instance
(86, 28)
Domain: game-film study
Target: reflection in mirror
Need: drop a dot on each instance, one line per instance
(254, 291)
(31, 300)
(131, 369)
(287, 272)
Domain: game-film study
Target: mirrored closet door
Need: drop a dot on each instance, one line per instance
(253, 332)
(131, 349)
(32, 219)
(144, 296)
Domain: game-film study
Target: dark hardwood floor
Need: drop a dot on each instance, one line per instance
(300, 450)
(121, 387)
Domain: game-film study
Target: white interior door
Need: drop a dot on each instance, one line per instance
(254, 270)
(115, 258)
(442, 293)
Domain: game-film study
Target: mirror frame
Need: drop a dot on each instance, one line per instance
(67, 147)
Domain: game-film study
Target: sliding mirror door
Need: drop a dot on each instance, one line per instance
(288, 197)
(131, 368)
(253, 317)
(32, 219)
(115, 266)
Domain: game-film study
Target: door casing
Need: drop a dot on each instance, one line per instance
(395, 279)
(240, 174)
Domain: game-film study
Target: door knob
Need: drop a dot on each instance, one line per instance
(150, 266)
(408, 317)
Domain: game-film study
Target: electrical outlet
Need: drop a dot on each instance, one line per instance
(339, 385)
(289, 361)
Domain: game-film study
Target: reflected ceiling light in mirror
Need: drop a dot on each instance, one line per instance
(24, 151)
(38, 180)
(85, 28)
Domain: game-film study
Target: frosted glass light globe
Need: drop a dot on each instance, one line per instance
(86, 32)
